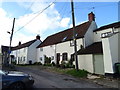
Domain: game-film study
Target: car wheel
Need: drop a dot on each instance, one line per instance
(17, 86)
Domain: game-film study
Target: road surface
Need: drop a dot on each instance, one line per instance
(45, 79)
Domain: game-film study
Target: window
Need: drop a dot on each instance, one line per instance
(76, 34)
(52, 58)
(21, 58)
(71, 43)
(41, 49)
(64, 38)
(64, 56)
(41, 58)
(24, 59)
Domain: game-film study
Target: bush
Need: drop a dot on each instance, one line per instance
(62, 65)
(47, 64)
(37, 63)
(53, 64)
(79, 73)
(14, 62)
(66, 65)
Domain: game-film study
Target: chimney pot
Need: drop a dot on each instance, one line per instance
(91, 16)
(19, 43)
(38, 37)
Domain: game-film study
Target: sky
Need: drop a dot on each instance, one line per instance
(32, 18)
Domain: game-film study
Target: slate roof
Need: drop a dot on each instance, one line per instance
(66, 35)
(27, 44)
(95, 48)
(115, 25)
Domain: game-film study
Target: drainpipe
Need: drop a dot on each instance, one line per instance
(83, 42)
(55, 55)
(113, 30)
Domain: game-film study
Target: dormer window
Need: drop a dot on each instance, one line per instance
(76, 34)
(64, 38)
(41, 49)
(71, 43)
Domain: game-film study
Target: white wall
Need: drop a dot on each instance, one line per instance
(89, 36)
(66, 48)
(97, 34)
(86, 62)
(48, 51)
(21, 53)
(32, 52)
(110, 51)
(119, 45)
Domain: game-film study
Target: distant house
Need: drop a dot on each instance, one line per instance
(4, 54)
(59, 47)
(26, 53)
(101, 56)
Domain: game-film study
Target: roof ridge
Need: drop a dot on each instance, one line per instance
(69, 28)
(27, 44)
(115, 24)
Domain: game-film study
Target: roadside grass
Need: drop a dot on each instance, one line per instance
(69, 71)
(77, 73)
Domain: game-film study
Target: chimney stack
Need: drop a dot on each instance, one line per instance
(38, 37)
(91, 16)
(19, 43)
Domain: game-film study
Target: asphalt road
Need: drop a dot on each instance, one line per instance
(45, 79)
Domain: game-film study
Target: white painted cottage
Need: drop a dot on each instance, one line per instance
(26, 52)
(101, 56)
(60, 47)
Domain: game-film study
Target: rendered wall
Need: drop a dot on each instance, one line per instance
(86, 62)
(110, 51)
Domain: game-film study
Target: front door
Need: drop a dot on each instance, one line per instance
(58, 58)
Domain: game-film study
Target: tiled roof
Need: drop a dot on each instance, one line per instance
(27, 44)
(4, 48)
(66, 35)
(115, 25)
(95, 48)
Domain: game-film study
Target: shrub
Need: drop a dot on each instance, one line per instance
(66, 65)
(14, 62)
(37, 63)
(53, 64)
(47, 64)
(47, 59)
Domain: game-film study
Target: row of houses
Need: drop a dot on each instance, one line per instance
(97, 48)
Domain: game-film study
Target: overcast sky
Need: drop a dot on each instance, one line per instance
(31, 22)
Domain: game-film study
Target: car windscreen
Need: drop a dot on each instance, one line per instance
(2, 72)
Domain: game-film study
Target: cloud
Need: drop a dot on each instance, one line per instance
(50, 19)
(64, 22)
(5, 25)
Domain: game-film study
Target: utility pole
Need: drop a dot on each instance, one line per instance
(74, 35)
(11, 39)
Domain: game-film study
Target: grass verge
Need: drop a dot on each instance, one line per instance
(69, 71)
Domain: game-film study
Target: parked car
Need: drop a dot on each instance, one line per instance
(15, 80)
